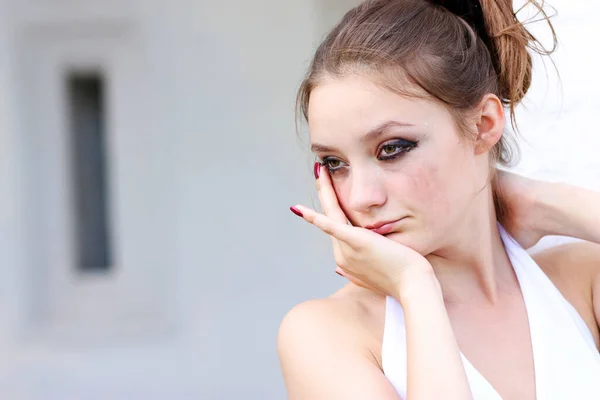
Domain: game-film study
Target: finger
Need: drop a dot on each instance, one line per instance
(319, 168)
(341, 231)
(328, 197)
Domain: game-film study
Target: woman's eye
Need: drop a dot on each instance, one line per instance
(393, 149)
(389, 149)
(332, 164)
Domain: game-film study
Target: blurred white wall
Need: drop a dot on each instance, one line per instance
(204, 163)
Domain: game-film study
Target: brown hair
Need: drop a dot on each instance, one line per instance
(407, 43)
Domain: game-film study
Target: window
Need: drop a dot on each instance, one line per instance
(98, 266)
(85, 94)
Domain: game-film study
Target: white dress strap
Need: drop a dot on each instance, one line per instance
(566, 361)
(566, 366)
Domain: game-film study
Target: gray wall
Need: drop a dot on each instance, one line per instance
(213, 169)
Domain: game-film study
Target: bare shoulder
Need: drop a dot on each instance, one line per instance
(578, 261)
(328, 348)
(574, 268)
(350, 316)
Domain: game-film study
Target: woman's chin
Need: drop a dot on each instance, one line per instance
(406, 239)
(399, 237)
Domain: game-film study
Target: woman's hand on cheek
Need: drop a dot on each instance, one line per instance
(333, 210)
(364, 257)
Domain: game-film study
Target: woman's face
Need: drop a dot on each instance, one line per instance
(395, 159)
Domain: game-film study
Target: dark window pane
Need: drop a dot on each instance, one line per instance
(86, 101)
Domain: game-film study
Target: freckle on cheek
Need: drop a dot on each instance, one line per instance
(423, 184)
(430, 191)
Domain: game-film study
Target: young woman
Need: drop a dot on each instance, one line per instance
(405, 104)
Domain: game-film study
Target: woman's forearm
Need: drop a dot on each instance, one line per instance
(568, 210)
(435, 367)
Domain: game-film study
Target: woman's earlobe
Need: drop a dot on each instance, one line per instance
(486, 140)
(482, 146)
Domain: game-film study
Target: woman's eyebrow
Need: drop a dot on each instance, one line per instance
(381, 129)
(320, 148)
(368, 137)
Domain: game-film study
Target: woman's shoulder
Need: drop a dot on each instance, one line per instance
(352, 317)
(576, 263)
(329, 348)
(574, 268)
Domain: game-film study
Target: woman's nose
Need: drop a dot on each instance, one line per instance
(367, 191)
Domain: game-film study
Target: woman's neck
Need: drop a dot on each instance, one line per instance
(473, 266)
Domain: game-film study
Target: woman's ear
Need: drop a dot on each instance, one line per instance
(490, 123)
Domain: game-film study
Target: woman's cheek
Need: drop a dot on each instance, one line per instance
(429, 190)
(342, 192)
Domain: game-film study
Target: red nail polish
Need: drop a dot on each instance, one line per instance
(296, 211)
(317, 170)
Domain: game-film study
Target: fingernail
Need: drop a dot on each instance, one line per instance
(317, 170)
(296, 211)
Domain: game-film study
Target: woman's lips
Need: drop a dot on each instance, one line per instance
(386, 228)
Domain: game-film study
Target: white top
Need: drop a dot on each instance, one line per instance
(566, 361)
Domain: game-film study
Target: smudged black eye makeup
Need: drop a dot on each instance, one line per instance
(332, 164)
(392, 149)
(387, 151)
